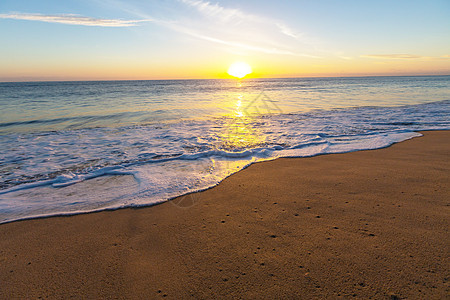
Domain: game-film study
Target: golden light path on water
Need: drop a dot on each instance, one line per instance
(241, 131)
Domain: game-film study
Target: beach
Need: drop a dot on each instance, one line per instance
(365, 224)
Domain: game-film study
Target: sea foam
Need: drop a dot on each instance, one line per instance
(85, 170)
(68, 148)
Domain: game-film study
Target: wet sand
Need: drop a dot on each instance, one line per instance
(368, 224)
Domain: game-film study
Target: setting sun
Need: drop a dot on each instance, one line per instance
(239, 69)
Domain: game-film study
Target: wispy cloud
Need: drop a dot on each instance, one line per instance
(217, 11)
(241, 30)
(73, 20)
(235, 44)
(405, 56)
(289, 31)
(237, 16)
(392, 56)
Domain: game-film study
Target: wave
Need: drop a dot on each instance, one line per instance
(93, 169)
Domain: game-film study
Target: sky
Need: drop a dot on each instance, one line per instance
(194, 39)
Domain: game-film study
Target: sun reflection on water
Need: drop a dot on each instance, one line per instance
(238, 112)
(241, 130)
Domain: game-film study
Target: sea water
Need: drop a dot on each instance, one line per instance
(74, 147)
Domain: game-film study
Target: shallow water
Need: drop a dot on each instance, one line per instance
(70, 147)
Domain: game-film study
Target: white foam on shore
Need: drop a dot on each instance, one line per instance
(79, 171)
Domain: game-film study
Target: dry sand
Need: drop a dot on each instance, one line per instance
(369, 224)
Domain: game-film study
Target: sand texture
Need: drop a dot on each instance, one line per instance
(368, 224)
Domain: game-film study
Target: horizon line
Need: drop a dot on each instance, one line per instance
(243, 79)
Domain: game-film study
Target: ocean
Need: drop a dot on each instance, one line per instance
(76, 147)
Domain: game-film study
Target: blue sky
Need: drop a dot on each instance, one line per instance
(111, 39)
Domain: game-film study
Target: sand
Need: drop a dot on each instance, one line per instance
(368, 224)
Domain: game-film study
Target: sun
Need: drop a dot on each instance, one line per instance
(239, 69)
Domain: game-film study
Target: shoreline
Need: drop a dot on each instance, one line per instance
(369, 223)
(69, 214)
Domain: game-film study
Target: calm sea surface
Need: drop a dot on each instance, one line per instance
(72, 147)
